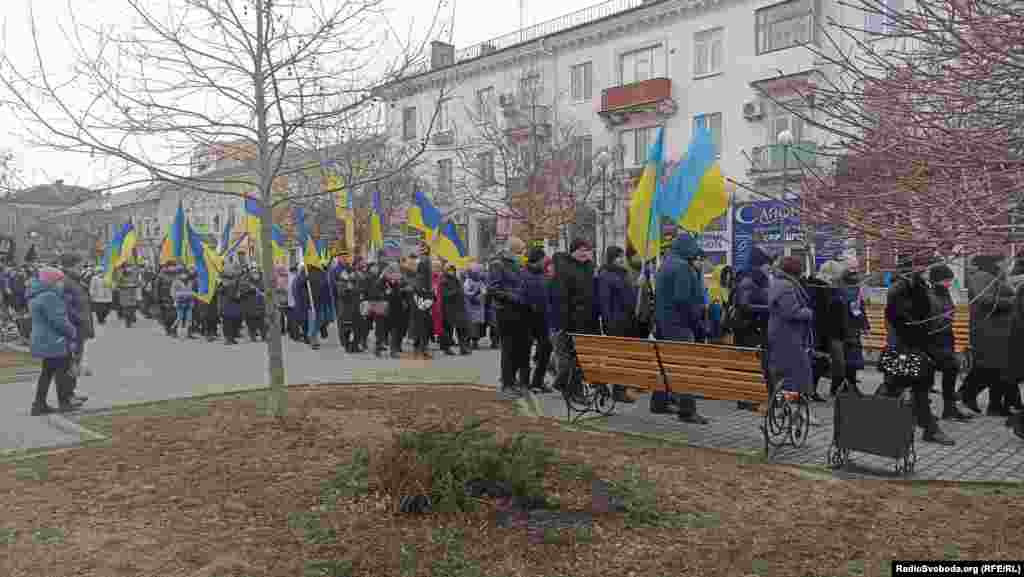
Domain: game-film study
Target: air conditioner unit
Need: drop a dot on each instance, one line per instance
(752, 110)
(506, 100)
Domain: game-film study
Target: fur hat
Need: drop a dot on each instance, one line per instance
(50, 276)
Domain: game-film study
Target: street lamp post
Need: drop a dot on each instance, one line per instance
(785, 139)
(603, 160)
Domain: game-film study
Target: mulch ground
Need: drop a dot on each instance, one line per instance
(212, 495)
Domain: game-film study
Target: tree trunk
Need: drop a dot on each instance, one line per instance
(278, 402)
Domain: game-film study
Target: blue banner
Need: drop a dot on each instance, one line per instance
(767, 224)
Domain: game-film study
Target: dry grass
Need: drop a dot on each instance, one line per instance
(226, 492)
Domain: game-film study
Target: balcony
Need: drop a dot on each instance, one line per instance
(527, 120)
(652, 96)
(443, 137)
(774, 158)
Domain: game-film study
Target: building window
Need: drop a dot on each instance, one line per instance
(780, 119)
(530, 87)
(879, 20)
(485, 102)
(713, 124)
(444, 176)
(582, 80)
(635, 144)
(707, 52)
(486, 167)
(409, 123)
(583, 147)
(785, 25)
(444, 115)
(640, 65)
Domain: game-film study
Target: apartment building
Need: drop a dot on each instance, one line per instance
(605, 78)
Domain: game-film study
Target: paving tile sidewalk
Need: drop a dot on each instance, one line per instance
(985, 450)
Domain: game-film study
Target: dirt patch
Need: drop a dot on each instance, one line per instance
(230, 492)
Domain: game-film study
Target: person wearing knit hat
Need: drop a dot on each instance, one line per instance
(908, 312)
(54, 340)
(992, 318)
(944, 351)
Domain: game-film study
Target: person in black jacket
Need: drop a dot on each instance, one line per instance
(423, 300)
(574, 279)
(944, 341)
(453, 301)
(535, 298)
(505, 285)
(908, 310)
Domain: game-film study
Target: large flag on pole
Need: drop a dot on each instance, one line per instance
(643, 231)
(376, 226)
(449, 246)
(695, 194)
(208, 264)
(424, 217)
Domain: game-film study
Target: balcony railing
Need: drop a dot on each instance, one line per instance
(774, 157)
(637, 94)
(537, 31)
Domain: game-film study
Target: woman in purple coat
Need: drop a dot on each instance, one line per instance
(789, 329)
(473, 288)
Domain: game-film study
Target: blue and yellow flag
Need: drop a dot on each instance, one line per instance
(450, 247)
(376, 226)
(695, 193)
(121, 249)
(310, 255)
(225, 237)
(278, 244)
(208, 265)
(424, 217)
(643, 232)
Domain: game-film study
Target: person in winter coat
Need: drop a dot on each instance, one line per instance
(750, 324)
(211, 316)
(128, 292)
(314, 281)
(474, 289)
(856, 322)
(506, 289)
(422, 324)
(164, 299)
(366, 279)
(456, 326)
(392, 289)
(535, 300)
(992, 306)
(346, 283)
(908, 310)
(830, 324)
(230, 301)
(790, 324)
(437, 267)
(943, 349)
(576, 306)
(616, 303)
(102, 295)
(181, 289)
(254, 310)
(53, 340)
(679, 311)
(79, 311)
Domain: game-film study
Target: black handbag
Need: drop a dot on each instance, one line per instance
(905, 364)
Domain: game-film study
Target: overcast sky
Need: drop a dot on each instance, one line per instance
(475, 21)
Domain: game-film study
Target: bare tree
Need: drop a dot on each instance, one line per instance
(518, 161)
(925, 105)
(267, 76)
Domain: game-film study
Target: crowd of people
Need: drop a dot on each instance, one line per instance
(525, 301)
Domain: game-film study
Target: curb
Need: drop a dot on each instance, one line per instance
(65, 425)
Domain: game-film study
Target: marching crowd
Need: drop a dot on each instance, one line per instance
(525, 301)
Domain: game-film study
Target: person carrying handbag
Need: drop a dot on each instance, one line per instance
(908, 310)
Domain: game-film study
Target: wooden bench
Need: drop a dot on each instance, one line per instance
(877, 340)
(708, 371)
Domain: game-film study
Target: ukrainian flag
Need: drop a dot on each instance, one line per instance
(179, 238)
(695, 193)
(643, 230)
(208, 265)
(166, 252)
(253, 217)
(376, 226)
(450, 247)
(310, 256)
(120, 250)
(225, 237)
(277, 241)
(424, 217)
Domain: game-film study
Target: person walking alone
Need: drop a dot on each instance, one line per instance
(53, 340)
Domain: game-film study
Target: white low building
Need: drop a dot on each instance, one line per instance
(605, 77)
